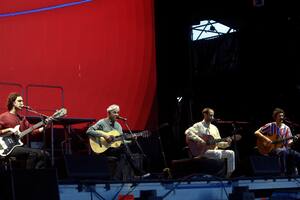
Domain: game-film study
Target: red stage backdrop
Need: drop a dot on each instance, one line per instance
(84, 56)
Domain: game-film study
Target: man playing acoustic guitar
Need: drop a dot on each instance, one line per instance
(106, 137)
(201, 141)
(275, 138)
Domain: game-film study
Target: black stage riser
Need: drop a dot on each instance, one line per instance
(29, 184)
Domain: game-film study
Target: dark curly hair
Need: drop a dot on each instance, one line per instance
(11, 99)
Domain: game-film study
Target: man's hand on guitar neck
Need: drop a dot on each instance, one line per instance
(134, 136)
(41, 129)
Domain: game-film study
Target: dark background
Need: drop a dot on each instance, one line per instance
(243, 76)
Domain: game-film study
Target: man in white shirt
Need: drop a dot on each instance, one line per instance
(202, 133)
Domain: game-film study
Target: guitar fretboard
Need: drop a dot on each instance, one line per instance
(22, 134)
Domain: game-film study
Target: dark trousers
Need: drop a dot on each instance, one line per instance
(289, 159)
(35, 158)
(126, 167)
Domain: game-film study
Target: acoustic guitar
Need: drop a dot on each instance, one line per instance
(277, 142)
(198, 149)
(100, 145)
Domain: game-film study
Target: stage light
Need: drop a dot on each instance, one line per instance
(179, 99)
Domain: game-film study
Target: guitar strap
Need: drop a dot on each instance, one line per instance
(20, 117)
(22, 122)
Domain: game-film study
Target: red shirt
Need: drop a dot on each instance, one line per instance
(9, 120)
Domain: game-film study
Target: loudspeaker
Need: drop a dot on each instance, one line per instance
(87, 167)
(19, 184)
(184, 167)
(265, 165)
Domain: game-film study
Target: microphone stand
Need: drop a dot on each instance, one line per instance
(42, 116)
(137, 143)
(166, 170)
(135, 168)
(234, 143)
(36, 112)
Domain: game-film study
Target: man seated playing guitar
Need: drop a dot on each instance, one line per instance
(196, 138)
(275, 138)
(107, 128)
(9, 122)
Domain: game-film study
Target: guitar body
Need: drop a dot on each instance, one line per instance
(99, 144)
(198, 149)
(8, 143)
(264, 148)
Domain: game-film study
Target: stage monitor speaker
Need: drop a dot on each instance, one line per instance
(184, 167)
(265, 165)
(19, 184)
(87, 167)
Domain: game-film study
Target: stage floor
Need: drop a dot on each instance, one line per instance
(191, 188)
(44, 184)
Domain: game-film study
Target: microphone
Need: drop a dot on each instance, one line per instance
(121, 118)
(286, 120)
(215, 120)
(27, 107)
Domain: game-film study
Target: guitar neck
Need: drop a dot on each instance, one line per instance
(124, 136)
(282, 140)
(220, 140)
(22, 134)
(57, 114)
(130, 136)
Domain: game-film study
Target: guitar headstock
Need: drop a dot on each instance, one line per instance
(144, 134)
(236, 137)
(296, 137)
(59, 113)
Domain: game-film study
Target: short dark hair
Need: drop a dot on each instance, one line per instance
(276, 111)
(206, 110)
(11, 99)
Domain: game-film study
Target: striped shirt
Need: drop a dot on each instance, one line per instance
(271, 129)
